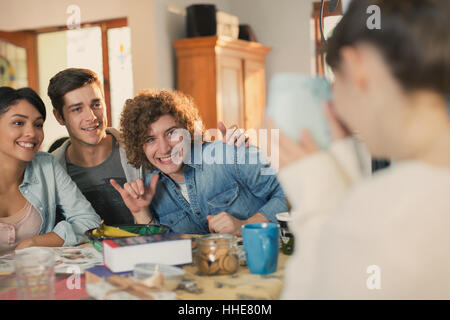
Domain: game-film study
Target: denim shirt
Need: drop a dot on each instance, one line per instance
(237, 186)
(47, 185)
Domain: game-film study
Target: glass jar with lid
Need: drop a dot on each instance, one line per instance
(217, 254)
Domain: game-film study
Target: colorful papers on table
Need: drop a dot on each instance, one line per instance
(67, 259)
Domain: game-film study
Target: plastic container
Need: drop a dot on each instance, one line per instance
(217, 254)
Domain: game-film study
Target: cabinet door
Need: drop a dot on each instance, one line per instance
(230, 99)
(195, 77)
(255, 93)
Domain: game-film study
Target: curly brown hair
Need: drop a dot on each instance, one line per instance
(146, 108)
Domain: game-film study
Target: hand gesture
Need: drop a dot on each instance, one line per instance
(137, 197)
(224, 223)
(234, 135)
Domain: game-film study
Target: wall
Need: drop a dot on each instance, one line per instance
(283, 25)
(170, 21)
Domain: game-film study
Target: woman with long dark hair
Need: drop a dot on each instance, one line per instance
(32, 184)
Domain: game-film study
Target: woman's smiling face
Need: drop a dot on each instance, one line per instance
(21, 131)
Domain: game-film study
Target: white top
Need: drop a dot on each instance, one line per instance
(24, 224)
(183, 189)
(383, 237)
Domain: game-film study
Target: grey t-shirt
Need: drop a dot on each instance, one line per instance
(94, 184)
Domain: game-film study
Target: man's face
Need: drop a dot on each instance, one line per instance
(161, 145)
(84, 114)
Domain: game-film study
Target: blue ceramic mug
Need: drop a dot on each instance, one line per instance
(261, 246)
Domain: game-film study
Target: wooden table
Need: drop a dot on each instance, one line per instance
(240, 286)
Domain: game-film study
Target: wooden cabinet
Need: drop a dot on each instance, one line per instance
(225, 77)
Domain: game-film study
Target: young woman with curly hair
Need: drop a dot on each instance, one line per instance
(191, 196)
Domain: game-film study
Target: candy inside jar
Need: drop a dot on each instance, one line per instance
(217, 254)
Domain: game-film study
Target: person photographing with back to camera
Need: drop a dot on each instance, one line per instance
(385, 236)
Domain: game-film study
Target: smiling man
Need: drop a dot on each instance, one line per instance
(94, 153)
(194, 197)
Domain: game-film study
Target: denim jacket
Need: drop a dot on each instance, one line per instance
(238, 187)
(47, 185)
